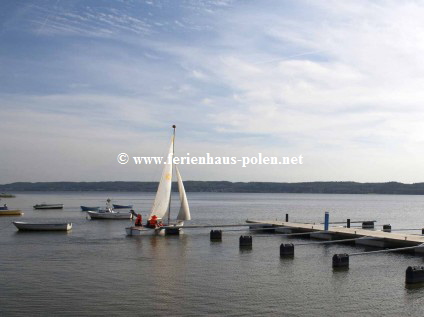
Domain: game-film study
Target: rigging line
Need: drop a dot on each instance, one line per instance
(292, 234)
(389, 250)
(1, 228)
(246, 229)
(406, 229)
(332, 241)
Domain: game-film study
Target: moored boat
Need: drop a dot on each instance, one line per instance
(11, 212)
(85, 208)
(28, 226)
(104, 214)
(5, 211)
(6, 195)
(48, 206)
(122, 206)
(109, 213)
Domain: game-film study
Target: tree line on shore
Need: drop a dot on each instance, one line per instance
(225, 186)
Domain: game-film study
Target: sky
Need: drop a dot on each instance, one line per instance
(340, 83)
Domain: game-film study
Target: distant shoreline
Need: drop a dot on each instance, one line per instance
(389, 188)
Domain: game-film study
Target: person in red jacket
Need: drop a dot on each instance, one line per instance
(153, 221)
(138, 219)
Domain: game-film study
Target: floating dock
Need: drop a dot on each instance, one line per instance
(369, 237)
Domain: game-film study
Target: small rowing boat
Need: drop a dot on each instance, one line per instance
(122, 206)
(48, 206)
(28, 226)
(85, 208)
(12, 212)
(5, 211)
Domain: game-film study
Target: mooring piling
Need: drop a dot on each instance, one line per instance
(414, 274)
(387, 228)
(216, 235)
(245, 241)
(368, 225)
(341, 260)
(286, 250)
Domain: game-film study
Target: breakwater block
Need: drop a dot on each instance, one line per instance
(341, 260)
(414, 274)
(216, 235)
(368, 225)
(286, 250)
(245, 241)
(387, 228)
(172, 231)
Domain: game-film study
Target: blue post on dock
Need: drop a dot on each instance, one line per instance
(326, 220)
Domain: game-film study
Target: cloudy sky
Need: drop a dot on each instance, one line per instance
(339, 82)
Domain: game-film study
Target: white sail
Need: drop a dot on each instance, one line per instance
(184, 213)
(163, 194)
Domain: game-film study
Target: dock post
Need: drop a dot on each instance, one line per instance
(414, 274)
(287, 218)
(341, 260)
(368, 225)
(348, 223)
(326, 220)
(172, 231)
(245, 241)
(216, 235)
(422, 231)
(286, 250)
(387, 228)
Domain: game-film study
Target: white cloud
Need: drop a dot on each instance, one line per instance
(339, 82)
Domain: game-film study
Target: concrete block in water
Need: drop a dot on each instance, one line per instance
(414, 274)
(245, 241)
(172, 231)
(286, 249)
(216, 235)
(387, 228)
(341, 260)
(368, 225)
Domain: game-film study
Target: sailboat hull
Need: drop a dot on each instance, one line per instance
(143, 231)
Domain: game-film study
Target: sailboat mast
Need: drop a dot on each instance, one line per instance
(172, 174)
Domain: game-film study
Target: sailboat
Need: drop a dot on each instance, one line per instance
(161, 209)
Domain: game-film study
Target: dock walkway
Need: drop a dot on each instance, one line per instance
(370, 237)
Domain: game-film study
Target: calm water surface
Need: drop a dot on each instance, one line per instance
(95, 270)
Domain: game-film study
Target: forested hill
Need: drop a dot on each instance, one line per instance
(230, 187)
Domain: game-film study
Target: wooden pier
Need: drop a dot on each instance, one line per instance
(368, 237)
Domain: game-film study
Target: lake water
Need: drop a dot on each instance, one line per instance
(96, 270)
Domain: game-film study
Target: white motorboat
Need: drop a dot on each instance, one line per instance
(162, 204)
(109, 213)
(29, 226)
